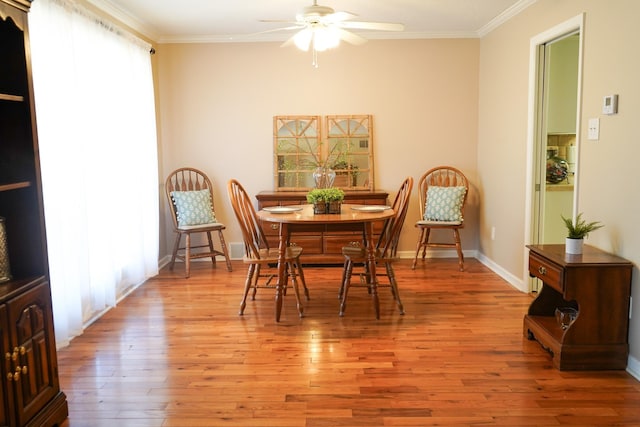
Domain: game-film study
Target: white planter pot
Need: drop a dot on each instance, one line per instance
(573, 246)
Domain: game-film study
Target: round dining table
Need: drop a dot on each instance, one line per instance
(291, 216)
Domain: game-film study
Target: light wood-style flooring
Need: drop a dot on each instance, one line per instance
(175, 353)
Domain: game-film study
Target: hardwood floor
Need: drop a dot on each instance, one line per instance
(175, 353)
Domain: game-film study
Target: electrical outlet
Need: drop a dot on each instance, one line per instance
(493, 233)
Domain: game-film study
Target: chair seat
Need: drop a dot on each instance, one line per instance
(432, 223)
(203, 227)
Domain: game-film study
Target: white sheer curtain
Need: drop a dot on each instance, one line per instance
(98, 150)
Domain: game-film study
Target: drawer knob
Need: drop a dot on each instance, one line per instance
(274, 226)
(542, 270)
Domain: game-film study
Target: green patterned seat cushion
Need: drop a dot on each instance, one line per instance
(444, 204)
(193, 207)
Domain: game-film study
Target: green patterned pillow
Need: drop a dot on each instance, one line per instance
(444, 203)
(193, 207)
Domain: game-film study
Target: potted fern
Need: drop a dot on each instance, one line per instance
(577, 231)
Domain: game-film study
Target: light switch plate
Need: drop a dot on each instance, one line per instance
(594, 129)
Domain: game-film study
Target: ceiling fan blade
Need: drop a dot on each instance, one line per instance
(384, 26)
(282, 21)
(337, 17)
(350, 37)
(293, 27)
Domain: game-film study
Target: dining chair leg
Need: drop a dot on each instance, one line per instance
(251, 271)
(298, 267)
(348, 269)
(254, 285)
(225, 250)
(427, 235)
(296, 291)
(342, 281)
(210, 242)
(394, 286)
(376, 299)
(418, 247)
(176, 247)
(187, 256)
(456, 237)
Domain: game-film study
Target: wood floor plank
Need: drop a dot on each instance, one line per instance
(175, 353)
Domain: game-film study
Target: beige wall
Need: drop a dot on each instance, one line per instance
(459, 102)
(217, 103)
(608, 169)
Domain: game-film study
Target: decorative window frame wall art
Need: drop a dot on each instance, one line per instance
(304, 143)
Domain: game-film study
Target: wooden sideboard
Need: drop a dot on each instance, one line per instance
(598, 285)
(322, 243)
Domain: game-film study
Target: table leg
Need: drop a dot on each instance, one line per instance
(282, 265)
(371, 263)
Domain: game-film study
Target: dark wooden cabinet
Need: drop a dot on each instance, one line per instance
(322, 243)
(598, 285)
(30, 394)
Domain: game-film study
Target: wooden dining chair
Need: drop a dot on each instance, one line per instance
(443, 193)
(190, 197)
(258, 255)
(385, 255)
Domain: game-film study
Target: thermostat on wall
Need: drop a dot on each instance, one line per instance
(610, 104)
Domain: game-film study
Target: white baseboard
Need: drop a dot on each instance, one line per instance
(633, 367)
(441, 253)
(514, 281)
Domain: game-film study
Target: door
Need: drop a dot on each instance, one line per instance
(554, 118)
(556, 147)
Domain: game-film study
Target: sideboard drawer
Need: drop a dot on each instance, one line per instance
(549, 273)
(333, 244)
(310, 244)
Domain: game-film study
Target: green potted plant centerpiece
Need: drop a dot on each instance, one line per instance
(577, 231)
(325, 200)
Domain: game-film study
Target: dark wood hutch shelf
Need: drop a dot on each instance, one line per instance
(30, 392)
(322, 243)
(598, 285)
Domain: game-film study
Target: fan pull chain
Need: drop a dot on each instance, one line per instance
(314, 61)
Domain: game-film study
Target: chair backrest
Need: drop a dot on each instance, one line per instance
(186, 179)
(441, 176)
(252, 234)
(388, 242)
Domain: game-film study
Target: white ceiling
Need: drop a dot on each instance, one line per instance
(172, 21)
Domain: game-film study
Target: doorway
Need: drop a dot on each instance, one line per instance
(556, 147)
(555, 77)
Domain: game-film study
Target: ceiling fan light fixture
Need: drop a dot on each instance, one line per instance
(325, 38)
(321, 28)
(303, 38)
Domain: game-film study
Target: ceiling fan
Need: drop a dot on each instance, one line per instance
(321, 28)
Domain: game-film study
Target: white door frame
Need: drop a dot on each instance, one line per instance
(534, 124)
